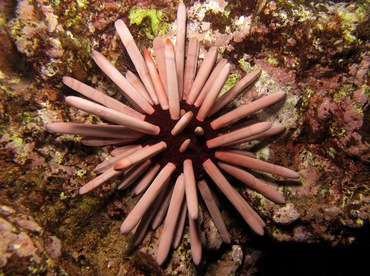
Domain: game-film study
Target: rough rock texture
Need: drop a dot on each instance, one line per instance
(25, 249)
(319, 54)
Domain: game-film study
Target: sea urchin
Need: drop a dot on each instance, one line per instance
(176, 138)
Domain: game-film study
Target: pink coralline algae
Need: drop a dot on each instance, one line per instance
(177, 140)
(337, 114)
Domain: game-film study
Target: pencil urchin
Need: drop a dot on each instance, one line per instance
(175, 139)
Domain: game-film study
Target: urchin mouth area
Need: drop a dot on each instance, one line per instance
(188, 144)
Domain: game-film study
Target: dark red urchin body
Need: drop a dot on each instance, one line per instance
(197, 151)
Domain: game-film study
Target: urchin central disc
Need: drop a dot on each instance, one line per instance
(185, 138)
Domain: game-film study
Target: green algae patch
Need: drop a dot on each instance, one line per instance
(157, 19)
(230, 82)
(81, 172)
(87, 203)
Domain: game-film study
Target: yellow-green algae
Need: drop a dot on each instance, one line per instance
(230, 82)
(158, 25)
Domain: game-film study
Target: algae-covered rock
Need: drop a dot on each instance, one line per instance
(25, 248)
